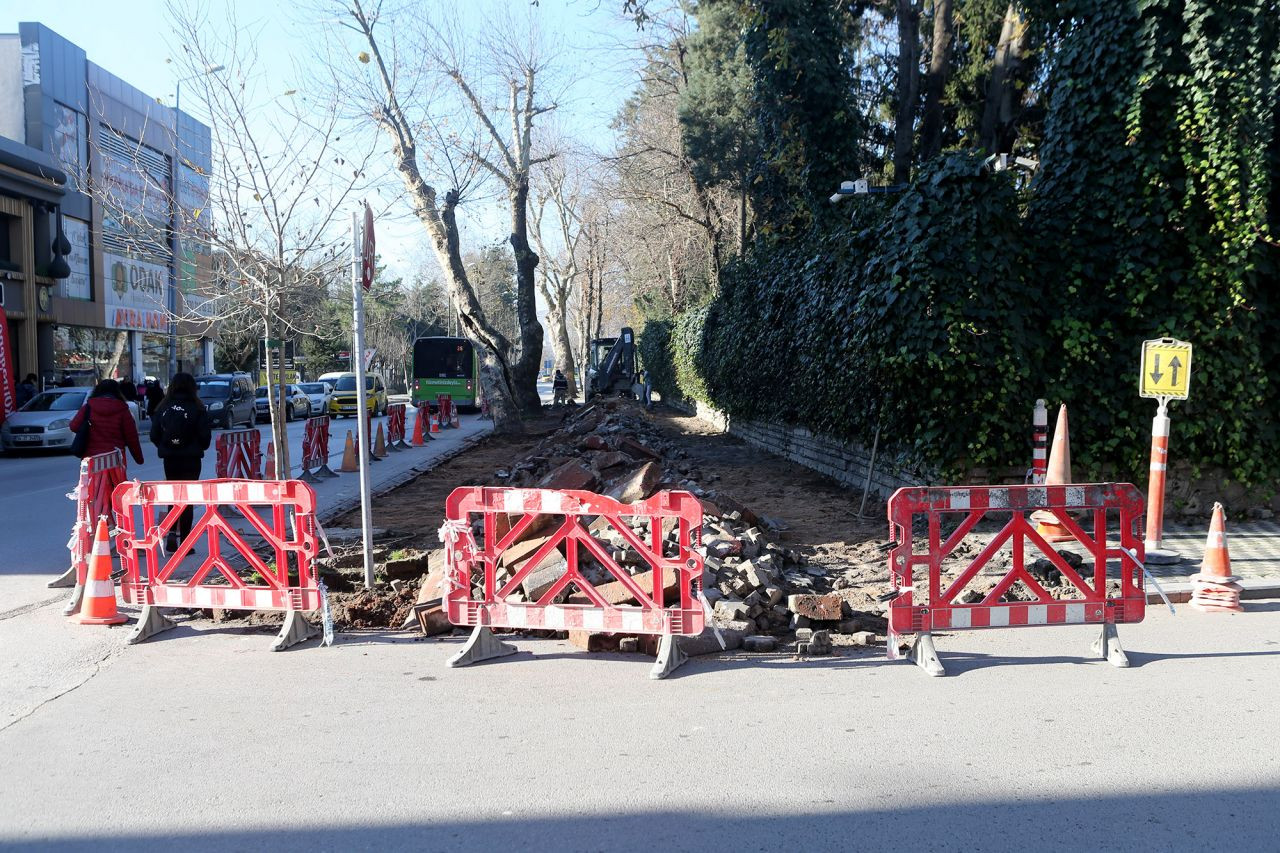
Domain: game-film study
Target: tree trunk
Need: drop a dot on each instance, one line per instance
(1000, 111)
(935, 81)
(524, 371)
(908, 88)
(560, 345)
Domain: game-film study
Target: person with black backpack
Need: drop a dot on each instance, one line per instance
(181, 431)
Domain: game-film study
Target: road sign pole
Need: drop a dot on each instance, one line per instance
(1155, 487)
(362, 423)
(1164, 374)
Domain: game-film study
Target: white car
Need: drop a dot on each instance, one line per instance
(320, 394)
(45, 421)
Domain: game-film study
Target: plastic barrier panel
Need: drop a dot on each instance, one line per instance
(227, 572)
(239, 455)
(395, 427)
(1084, 595)
(315, 450)
(99, 475)
(562, 548)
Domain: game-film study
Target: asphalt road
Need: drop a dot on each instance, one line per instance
(204, 740)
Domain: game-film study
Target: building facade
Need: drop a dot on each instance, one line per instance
(112, 176)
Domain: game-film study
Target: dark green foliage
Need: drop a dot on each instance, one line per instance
(807, 124)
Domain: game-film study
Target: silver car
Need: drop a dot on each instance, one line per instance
(297, 405)
(45, 421)
(320, 394)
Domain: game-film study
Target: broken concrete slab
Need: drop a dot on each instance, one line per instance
(639, 485)
(825, 608)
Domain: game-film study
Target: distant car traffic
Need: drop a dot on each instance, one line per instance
(297, 404)
(228, 397)
(320, 394)
(45, 421)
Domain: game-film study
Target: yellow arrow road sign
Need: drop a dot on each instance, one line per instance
(1166, 369)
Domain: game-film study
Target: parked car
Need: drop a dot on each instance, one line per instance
(228, 397)
(320, 394)
(45, 420)
(296, 405)
(343, 401)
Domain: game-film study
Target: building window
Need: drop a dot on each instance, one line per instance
(70, 141)
(77, 285)
(91, 353)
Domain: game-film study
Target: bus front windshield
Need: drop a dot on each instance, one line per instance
(441, 358)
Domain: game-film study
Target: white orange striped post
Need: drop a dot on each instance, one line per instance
(1039, 444)
(1155, 488)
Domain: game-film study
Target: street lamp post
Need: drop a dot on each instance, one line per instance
(172, 298)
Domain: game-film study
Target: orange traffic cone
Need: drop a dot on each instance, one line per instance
(435, 424)
(380, 444)
(1214, 589)
(349, 456)
(418, 438)
(269, 466)
(1059, 474)
(99, 605)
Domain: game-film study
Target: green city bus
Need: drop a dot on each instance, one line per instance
(443, 365)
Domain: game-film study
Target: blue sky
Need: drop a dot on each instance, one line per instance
(134, 45)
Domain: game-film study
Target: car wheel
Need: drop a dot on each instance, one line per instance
(288, 413)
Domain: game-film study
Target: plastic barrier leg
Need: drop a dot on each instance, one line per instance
(670, 657)
(296, 629)
(308, 477)
(482, 645)
(925, 656)
(73, 603)
(1107, 646)
(66, 580)
(325, 471)
(150, 623)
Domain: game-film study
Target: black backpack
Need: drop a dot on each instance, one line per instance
(179, 426)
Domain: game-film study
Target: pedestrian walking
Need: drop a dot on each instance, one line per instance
(560, 389)
(27, 390)
(181, 431)
(110, 423)
(155, 394)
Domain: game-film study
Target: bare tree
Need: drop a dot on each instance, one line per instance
(401, 94)
(559, 192)
(516, 59)
(266, 214)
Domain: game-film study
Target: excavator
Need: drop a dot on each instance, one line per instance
(612, 367)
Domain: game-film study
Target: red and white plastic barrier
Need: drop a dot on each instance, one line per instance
(99, 475)
(315, 450)
(396, 427)
(469, 565)
(933, 603)
(239, 455)
(444, 410)
(280, 512)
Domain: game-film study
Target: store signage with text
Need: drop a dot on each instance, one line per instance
(136, 293)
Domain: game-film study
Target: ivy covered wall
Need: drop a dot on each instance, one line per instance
(941, 314)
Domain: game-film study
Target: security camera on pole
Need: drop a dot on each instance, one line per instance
(1166, 375)
(362, 267)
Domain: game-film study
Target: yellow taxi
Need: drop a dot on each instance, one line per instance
(343, 401)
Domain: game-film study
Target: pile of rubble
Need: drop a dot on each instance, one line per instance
(757, 590)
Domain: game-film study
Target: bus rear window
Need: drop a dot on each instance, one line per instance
(434, 358)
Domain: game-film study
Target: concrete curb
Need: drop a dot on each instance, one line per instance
(343, 507)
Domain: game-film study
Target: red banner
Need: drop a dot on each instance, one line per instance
(8, 390)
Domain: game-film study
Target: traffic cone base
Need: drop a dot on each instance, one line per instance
(1052, 531)
(99, 604)
(1214, 588)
